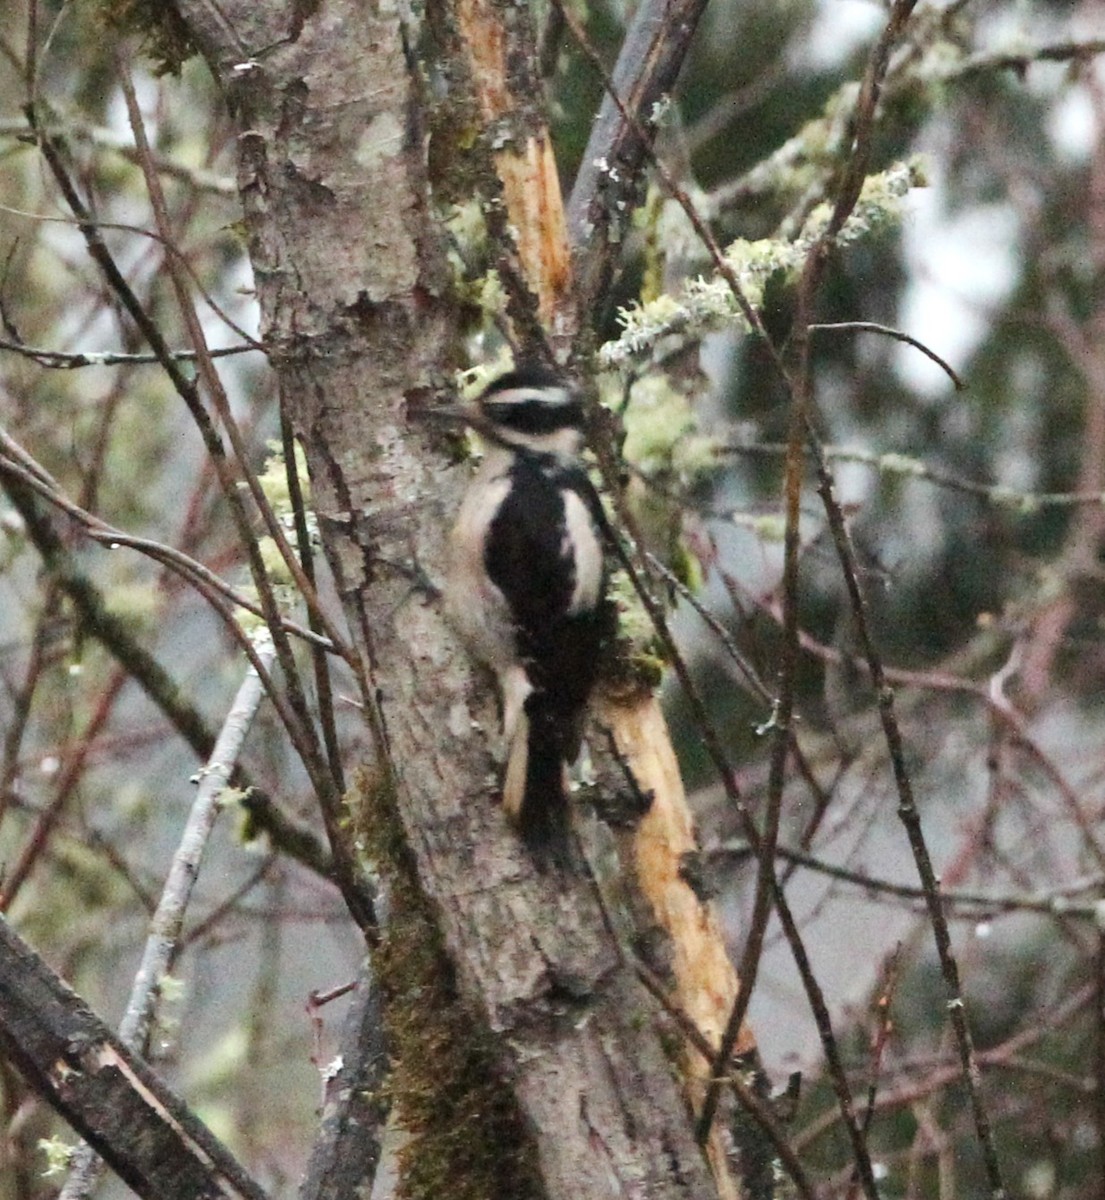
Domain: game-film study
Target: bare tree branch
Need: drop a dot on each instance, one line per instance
(897, 335)
(110, 1096)
(347, 1151)
(168, 919)
(110, 139)
(607, 185)
(72, 360)
(17, 465)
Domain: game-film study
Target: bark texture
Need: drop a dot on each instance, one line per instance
(348, 1148)
(603, 198)
(107, 1094)
(349, 277)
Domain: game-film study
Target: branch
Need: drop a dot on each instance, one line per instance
(71, 360)
(1019, 61)
(677, 193)
(347, 1151)
(1023, 503)
(150, 1138)
(603, 196)
(755, 1105)
(112, 631)
(897, 335)
(109, 139)
(17, 873)
(16, 464)
(324, 692)
(732, 300)
(528, 223)
(168, 918)
(910, 818)
(1053, 903)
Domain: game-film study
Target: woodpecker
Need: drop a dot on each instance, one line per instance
(526, 590)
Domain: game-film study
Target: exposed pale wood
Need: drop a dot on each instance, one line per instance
(705, 982)
(508, 92)
(531, 189)
(705, 979)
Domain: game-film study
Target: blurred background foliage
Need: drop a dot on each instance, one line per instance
(992, 601)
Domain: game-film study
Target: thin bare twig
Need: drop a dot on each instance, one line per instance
(890, 332)
(349, 1145)
(72, 360)
(1054, 902)
(37, 840)
(14, 462)
(1021, 60)
(213, 385)
(87, 222)
(943, 1071)
(97, 620)
(878, 1045)
(185, 387)
(109, 139)
(296, 842)
(909, 467)
(716, 627)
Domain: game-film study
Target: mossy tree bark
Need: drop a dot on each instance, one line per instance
(349, 273)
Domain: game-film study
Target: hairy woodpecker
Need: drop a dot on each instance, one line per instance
(527, 590)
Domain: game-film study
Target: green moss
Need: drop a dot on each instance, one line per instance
(468, 1140)
(165, 36)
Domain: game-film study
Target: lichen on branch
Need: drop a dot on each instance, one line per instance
(707, 304)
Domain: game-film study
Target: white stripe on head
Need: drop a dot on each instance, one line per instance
(544, 416)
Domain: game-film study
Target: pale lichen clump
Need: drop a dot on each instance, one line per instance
(662, 434)
(667, 455)
(277, 489)
(707, 304)
(474, 281)
(58, 1154)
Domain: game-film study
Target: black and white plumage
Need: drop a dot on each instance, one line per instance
(527, 590)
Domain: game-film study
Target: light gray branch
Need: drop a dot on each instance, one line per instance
(168, 918)
(601, 202)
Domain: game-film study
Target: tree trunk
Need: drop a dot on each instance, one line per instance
(350, 278)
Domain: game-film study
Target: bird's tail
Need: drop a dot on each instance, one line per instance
(535, 788)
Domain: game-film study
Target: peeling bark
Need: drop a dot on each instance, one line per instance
(508, 93)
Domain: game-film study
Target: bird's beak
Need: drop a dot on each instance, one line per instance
(450, 414)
